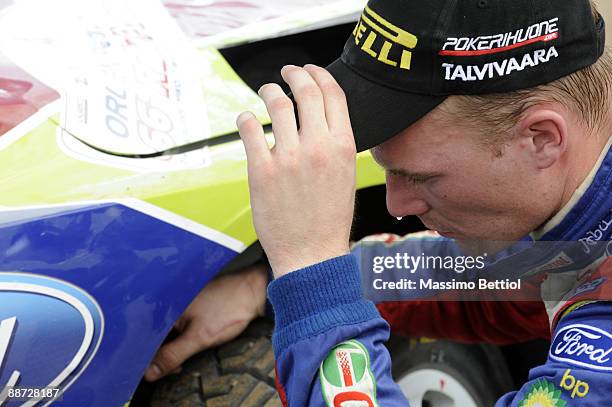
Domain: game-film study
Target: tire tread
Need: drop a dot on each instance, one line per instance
(240, 373)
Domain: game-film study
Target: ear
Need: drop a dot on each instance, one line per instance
(543, 131)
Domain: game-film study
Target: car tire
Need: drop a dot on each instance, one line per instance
(239, 373)
(444, 373)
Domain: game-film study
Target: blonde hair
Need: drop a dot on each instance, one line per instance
(587, 93)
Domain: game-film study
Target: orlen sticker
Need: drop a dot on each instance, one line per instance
(129, 78)
(49, 332)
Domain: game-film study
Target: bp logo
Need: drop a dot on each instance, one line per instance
(346, 377)
(542, 394)
(49, 332)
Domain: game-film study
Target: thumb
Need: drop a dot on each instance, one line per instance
(171, 356)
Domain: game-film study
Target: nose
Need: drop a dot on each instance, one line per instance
(403, 199)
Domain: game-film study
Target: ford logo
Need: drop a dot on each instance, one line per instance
(583, 345)
(49, 332)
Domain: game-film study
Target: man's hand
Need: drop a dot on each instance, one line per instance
(220, 312)
(303, 189)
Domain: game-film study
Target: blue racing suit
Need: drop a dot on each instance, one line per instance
(329, 340)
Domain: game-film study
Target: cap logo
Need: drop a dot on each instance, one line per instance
(543, 32)
(377, 37)
(493, 44)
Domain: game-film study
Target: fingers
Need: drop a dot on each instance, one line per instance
(321, 106)
(171, 356)
(280, 109)
(299, 182)
(253, 137)
(309, 99)
(336, 109)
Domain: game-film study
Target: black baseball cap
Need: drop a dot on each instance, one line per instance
(405, 57)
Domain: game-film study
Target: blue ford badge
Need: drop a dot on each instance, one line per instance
(49, 331)
(583, 345)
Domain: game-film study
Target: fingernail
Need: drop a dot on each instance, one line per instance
(260, 89)
(153, 372)
(288, 67)
(243, 117)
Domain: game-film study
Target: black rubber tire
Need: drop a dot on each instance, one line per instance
(480, 369)
(240, 373)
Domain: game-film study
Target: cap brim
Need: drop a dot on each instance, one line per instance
(377, 112)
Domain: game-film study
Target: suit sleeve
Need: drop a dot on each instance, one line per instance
(329, 341)
(578, 371)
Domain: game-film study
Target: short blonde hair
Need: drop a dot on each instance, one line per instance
(587, 93)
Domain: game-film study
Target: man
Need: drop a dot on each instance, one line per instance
(532, 161)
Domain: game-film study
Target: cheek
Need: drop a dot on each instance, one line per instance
(453, 190)
(475, 195)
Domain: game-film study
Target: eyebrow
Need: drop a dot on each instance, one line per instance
(402, 172)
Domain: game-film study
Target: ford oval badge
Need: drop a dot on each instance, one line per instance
(49, 332)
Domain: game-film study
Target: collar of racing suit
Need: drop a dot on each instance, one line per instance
(586, 208)
(587, 219)
(568, 254)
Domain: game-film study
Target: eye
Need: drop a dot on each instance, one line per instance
(413, 179)
(417, 180)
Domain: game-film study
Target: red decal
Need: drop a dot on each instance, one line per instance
(21, 95)
(596, 285)
(391, 239)
(352, 396)
(280, 389)
(346, 368)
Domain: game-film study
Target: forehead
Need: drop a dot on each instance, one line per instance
(431, 139)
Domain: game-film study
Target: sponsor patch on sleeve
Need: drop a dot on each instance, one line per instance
(583, 345)
(542, 393)
(346, 376)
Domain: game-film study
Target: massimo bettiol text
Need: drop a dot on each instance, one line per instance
(436, 269)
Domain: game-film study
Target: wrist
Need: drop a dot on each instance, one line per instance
(291, 263)
(257, 279)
